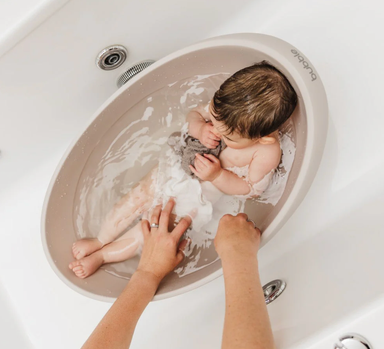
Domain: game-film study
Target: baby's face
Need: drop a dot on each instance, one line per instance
(232, 140)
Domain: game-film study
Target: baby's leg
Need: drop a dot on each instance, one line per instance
(120, 250)
(130, 206)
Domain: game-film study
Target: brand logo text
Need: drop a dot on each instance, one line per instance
(305, 64)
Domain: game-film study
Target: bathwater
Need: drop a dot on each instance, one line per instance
(141, 142)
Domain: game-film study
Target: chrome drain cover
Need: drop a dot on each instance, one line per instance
(111, 57)
(353, 341)
(273, 289)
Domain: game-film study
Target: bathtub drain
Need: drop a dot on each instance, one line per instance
(273, 289)
(111, 57)
(353, 341)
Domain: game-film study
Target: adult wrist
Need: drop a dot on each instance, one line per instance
(239, 264)
(233, 257)
(148, 277)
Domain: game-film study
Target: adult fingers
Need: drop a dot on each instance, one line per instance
(183, 244)
(165, 214)
(181, 227)
(242, 215)
(181, 250)
(146, 229)
(155, 215)
(249, 221)
(213, 158)
(145, 216)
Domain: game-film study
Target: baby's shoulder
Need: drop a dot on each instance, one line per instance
(265, 159)
(268, 152)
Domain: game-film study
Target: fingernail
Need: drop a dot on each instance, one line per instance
(193, 213)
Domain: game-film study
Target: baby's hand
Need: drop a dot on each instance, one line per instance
(208, 137)
(207, 167)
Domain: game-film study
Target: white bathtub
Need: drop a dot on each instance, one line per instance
(329, 252)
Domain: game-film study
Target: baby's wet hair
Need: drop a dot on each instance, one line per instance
(255, 101)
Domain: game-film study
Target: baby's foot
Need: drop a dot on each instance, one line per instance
(85, 247)
(88, 265)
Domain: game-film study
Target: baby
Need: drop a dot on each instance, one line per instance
(245, 113)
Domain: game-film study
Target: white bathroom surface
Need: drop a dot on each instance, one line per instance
(330, 252)
(13, 12)
(19, 18)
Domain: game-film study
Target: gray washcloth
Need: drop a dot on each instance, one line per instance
(194, 146)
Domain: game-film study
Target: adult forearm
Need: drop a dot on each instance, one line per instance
(246, 319)
(231, 184)
(116, 328)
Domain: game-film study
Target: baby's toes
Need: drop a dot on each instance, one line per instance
(80, 274)
(74, 264)
(75, 251)
(78, 269)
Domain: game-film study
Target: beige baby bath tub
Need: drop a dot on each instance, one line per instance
(216, 55)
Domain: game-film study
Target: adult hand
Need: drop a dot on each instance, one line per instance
(236, 236)
(208, 137)
(161, 254)
(162, 251)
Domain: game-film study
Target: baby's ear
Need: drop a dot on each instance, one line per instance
(267, 140)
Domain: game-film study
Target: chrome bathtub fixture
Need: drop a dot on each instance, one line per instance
(273, 289)
(353, 341)
(132, 71)
(111, 57)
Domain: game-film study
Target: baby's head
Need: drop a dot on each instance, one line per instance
(252, 104)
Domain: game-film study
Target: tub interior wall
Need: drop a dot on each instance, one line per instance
(60, 233)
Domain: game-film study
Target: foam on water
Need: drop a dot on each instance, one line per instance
(140, 142)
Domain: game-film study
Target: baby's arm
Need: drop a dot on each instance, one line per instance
(208, 168)
(265, 159)
(199, 128)
(231, 184)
